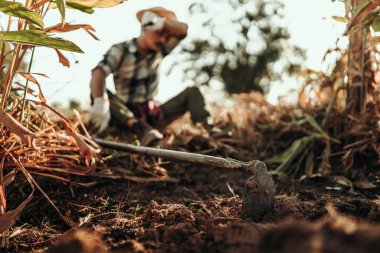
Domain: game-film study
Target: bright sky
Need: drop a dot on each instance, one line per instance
(311, 27)
(309, 23)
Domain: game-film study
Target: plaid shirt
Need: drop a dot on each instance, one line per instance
(135, 75)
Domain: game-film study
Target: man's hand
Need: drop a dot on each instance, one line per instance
(151, 21)
(100, 114)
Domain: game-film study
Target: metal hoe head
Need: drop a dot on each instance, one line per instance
(259, 191)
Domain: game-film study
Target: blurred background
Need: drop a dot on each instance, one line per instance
(232, 46)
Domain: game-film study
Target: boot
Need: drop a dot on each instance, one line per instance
(145, 133)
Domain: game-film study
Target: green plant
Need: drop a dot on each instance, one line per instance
(37, 146)
(299, 159)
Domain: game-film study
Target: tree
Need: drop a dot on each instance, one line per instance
(242, 43)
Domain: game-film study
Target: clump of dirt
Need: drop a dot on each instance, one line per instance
(170, 223)
(333, 233)
(80, 241)
(236, 235)
(292, 206)
(168, 214)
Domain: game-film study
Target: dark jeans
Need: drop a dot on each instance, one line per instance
(190, 100)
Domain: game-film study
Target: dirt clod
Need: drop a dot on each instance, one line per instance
(80, 241)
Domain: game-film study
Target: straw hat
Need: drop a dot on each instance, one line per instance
(162, 12)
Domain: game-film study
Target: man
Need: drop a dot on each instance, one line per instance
(134, 65)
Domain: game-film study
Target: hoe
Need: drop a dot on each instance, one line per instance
(259, 188)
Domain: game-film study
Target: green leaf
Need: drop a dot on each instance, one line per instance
(15, 9)
(300, 161)
(376, 25)
(285, 159)
(309, 164)
(314, 124)
(80, 7)
(61, 5)
(340, 19)
(299, 122)
(297, 147)
(39, 38)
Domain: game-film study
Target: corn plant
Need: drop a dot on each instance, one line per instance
(37, 146)
(363, 23)
(346, 97)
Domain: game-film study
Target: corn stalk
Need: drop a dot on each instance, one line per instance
(39, 146)
(364, 14)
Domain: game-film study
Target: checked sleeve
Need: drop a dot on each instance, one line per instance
(111, 59)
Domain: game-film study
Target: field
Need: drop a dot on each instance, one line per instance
(62, 192)
(142, 204)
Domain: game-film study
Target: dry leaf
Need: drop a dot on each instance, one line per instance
(28, 90)
(85, 149)
(343, 181)
(3, 201)
(9, 218)
(25, 135)
(62, 59)
(348, 159)
(59, 28)
(38, 4)
(364, 184)
(31, 78)
(9, 178)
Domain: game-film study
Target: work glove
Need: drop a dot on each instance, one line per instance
(100, 114)
(151, 21)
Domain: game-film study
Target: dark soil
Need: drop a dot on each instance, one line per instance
(199, 213)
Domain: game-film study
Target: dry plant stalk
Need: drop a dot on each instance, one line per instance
(56, 153)
(38, 147)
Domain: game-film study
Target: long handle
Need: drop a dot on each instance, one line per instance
(175, 155)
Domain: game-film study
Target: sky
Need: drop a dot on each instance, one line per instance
(309, 23)
(311, 27)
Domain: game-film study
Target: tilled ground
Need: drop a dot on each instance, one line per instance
(189, 208)
(200, 213)
(197, 209)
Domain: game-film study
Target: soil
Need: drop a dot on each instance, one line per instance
(200, 211)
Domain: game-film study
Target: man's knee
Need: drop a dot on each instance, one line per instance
(193, 91)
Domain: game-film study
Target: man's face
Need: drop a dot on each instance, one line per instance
(155, 40)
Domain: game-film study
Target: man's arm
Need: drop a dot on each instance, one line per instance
(176, 28)
(106, 66)
(97, 84)
(177, 31)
